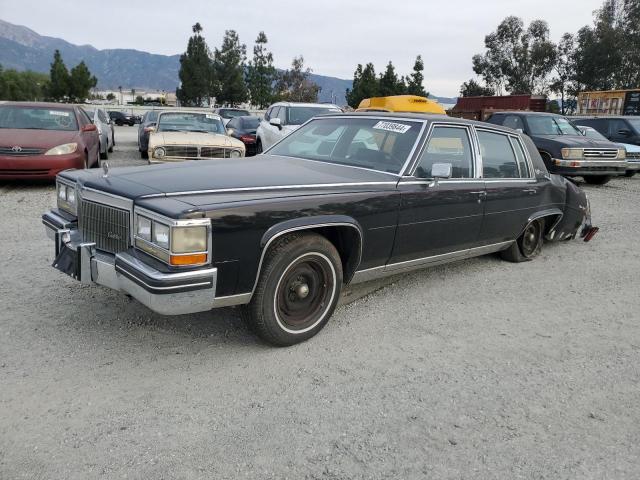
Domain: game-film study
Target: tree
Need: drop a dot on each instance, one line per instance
(229, 63)
(139, 100)
(261, 74)
(416, 79)
(389, 82)
(80, 83)
(563, 83)
(516, 59)
(111, 97)
(365, 85)
(22, 86)
(474, 89)
(196, 72)
(59, 78)
(294, 84)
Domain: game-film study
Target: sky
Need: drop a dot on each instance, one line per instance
(332, 35)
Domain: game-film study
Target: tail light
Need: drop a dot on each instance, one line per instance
(248, 138)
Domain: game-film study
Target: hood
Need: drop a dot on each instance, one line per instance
(44, 139)
(249, 176)
(574, 141)
(190, 138)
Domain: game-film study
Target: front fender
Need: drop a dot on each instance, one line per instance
(306, 223)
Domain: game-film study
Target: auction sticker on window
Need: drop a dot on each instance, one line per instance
(392, 127)
(58, 113)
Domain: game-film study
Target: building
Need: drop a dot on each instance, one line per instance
(481, 108)
(611, 102)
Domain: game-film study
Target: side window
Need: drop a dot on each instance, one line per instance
(513, 121)
(523, 166)
(498, 158)
(282, 115)
(267, 115)
(103, 118)
(447, 145)
(233, 123)
(274, 112)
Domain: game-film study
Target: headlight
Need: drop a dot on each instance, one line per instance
(161, 235)
(66, 197)
(63, 149)
(159, 152)
(235, 154)
(189, 239)
(144, 228)
(572, 153)
(622, 154)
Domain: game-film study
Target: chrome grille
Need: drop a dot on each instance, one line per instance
(107, 226)
(183, 151)
(20, 152)
(600, 153)
(633, 155)
(213, 152)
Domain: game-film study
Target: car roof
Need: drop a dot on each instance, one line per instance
(186, 110)
(304, 104)
(527, 112)
(61, 106)
(429, 117)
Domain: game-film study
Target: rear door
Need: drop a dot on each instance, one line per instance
(441, 217)
(513, 193)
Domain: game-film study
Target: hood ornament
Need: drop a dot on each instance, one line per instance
(105, 169)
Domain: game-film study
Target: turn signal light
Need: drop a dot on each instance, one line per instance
(192, 259)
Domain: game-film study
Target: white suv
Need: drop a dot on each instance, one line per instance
(282, 118)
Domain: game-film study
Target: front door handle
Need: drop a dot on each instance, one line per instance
(530, 191)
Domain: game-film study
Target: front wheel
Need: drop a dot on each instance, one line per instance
(298, 290)
(597, 179)
(528, 245)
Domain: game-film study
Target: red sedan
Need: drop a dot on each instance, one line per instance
(39, 140)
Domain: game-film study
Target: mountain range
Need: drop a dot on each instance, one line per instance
(23, 49)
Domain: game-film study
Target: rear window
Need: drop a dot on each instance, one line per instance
(37, 118)
(228, 113)
(250, 123)
(299, 115)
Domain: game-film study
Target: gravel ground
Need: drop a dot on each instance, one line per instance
(479, 369)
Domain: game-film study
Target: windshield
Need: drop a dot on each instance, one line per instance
(227, 113)
(250, 123)
(299, 115)
(358, 142)
(593, 134)
(544, 125)
(151, 116)
(37, 118)
(190, 122)
(635, 123)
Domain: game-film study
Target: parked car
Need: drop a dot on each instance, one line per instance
(284, 117)
(105, 130)
(244, 129)
(633, 151)
(564, 149)
(344, 199)
(121, 118)
(616, 129)
(39, 140)
(229, 113)
(191, 135)
(147, 124)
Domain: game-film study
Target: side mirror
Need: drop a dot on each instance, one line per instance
(89, 128)
(624, 132)
(440, 171)
(151, 128)
(276, 122)
(230, 131)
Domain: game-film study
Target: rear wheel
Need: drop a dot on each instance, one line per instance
(597, 179)
(298, 290)
(258, 147)
(528, 245)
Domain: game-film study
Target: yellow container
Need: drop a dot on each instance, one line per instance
(400, 103)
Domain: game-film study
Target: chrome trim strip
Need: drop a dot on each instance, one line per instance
(159, 276)
(266, 188)
(232, 300)
(401, 267)
(305, 227)
(93, 195)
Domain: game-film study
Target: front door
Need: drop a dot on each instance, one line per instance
(445, 216)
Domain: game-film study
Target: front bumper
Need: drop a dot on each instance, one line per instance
(633, 164)
(582, 167)
(38, 166)
(165, 293)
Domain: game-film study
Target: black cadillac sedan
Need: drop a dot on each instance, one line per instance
(343, 199)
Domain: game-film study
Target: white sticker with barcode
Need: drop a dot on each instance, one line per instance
(392, 127)
(58, 113)
(209, 115)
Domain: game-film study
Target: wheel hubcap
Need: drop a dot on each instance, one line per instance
(530, 240)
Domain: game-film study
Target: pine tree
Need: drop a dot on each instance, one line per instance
(229, 62)
(80, 83)
(415, 80)
(365, 85)
(59, 83)
(261, 74)
(294, 85)
(389, 82)
(196, 72)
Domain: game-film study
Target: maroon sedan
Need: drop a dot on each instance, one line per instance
(38, 140)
